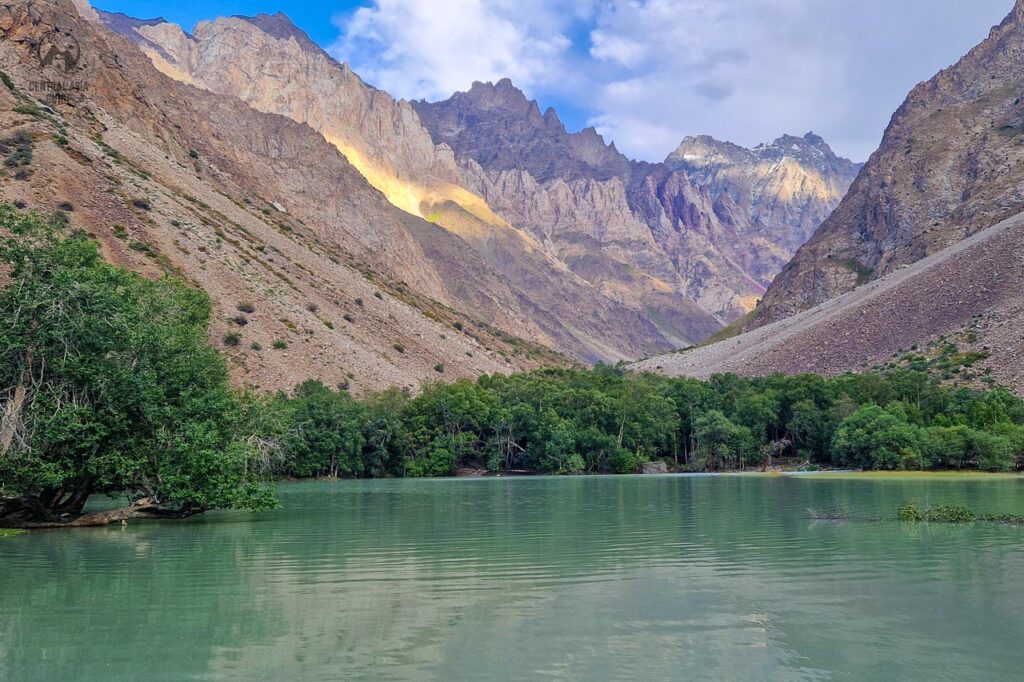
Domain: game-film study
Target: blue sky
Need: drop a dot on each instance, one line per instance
(647, 72)
(315, 18)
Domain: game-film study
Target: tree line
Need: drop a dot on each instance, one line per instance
(608, 420)
(109, 388)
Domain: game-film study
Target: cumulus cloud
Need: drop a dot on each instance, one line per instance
(648, 72)
(430, 49)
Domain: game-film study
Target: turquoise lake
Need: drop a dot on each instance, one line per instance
(574, 578)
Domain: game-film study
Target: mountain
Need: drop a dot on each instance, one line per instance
(691, 228)
(951, 163)
(260, 211)
(922, 259)
(246, 159)
(496, 126)
(270, 64)
(567, 220)
(785, 189)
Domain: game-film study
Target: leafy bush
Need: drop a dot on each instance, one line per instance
(8, 82)
(142, 247)
(232, 339)
(938, 513)
(246, 307)
(18, 149)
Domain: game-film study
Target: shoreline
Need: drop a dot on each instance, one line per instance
(824, 474)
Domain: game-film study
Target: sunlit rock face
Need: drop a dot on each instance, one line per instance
(783, 190)
(273, 67)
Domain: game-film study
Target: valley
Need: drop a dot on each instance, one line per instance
(388, 371)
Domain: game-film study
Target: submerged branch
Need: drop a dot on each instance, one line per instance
(28, 512)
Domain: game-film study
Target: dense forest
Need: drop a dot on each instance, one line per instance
(606, 420)
(108, 386)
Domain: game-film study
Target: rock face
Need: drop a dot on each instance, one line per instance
(657, 467)
(781, 192)
(715, 222)
(496, 126)
(951, 163)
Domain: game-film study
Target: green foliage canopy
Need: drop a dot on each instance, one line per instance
(108, 386)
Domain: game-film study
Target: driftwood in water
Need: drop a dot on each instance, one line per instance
(30, 512)
(829, 514)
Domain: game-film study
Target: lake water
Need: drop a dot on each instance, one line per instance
(582, 578)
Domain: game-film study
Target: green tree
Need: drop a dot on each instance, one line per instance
(719, 443)
(326, 438)
(872, 438)
(108, 386)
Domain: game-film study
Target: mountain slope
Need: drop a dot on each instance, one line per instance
(951, 163)
(260, 211)
(974, 285)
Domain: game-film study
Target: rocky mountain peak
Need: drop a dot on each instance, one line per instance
(784, 188)
(810, 150)
(279, 26)
(122, 23)
(500, 95)
(501, 129)
(704, 150)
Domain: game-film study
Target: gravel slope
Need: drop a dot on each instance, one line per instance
(982, 275)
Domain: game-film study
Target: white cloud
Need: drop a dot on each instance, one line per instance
(648, 72)
(750, 70)
(430, 49)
